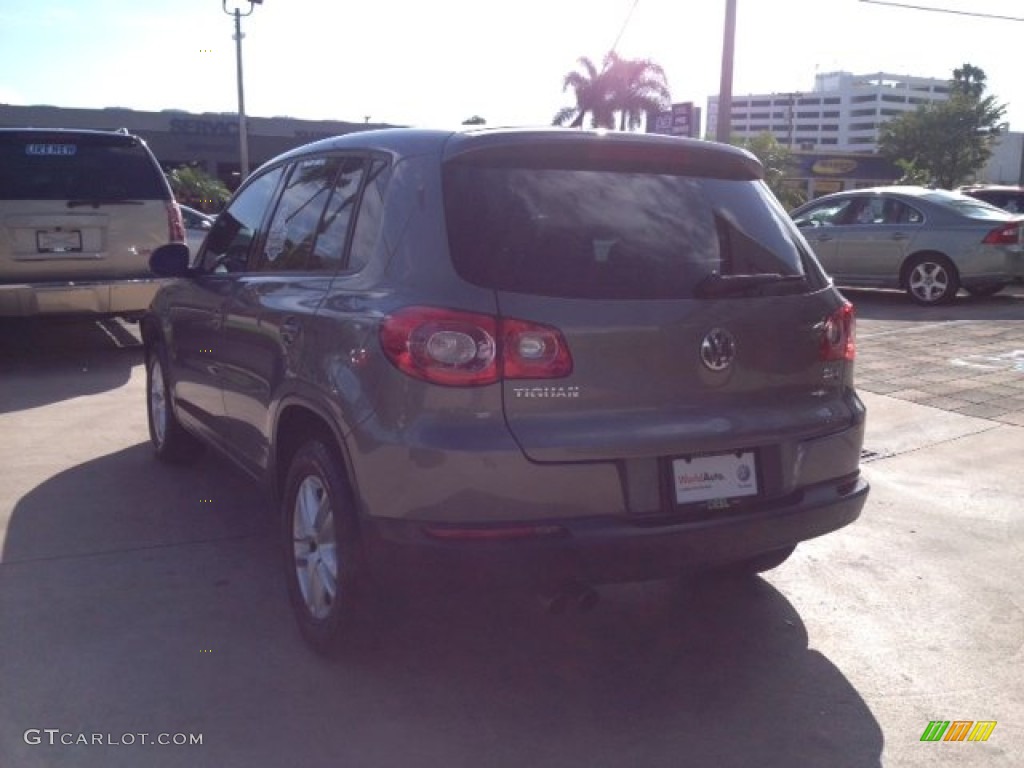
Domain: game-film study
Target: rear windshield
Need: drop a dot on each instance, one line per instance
(56, 167)
(610, 234)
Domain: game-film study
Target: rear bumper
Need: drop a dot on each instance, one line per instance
(111, 297)
(607, 550)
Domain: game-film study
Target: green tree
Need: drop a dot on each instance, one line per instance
(778, 166)
(474, 120)
(946, 141)
(622, 91)
(195, 187)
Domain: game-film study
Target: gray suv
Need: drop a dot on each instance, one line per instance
(554, 356)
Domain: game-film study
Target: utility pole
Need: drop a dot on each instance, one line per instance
(724, 127)
(243, 133)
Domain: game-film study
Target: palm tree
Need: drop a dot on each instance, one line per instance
(592, 91)
(629, 87)
(969, 80)
(638, 88)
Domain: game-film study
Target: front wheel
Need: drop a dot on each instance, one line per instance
(170, 441)
(322, 552)
(931, 280)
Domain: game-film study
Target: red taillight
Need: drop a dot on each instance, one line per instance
(465, 349)
(175, 224)
(1008, 234)
(838, 335)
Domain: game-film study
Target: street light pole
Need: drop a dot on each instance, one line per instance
(243, 133)
(724, 127)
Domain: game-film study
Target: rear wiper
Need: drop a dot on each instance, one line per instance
(716, 285)
(97, 202)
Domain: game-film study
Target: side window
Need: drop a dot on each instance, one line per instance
(370, 217)
(829, 214)
(898, 212)
(294, 226)
(227, 247)
(329, 250)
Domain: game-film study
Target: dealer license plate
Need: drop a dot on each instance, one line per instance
(59, 241)
(721, 476)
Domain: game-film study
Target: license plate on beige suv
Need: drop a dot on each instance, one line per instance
(59, 241)
(718, 476)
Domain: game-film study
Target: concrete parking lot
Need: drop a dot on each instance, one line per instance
(141, 604)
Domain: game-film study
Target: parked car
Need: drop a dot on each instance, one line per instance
(1008, 198)
(929, 242)
(197, 225)
(80, 213)
(555, 357)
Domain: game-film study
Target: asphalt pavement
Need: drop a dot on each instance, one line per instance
(142, 604)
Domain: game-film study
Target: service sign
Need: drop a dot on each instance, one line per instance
(51, 149)
(723, 476)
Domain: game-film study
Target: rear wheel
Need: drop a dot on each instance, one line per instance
(325, 571)
(932, 279)
(169, 439)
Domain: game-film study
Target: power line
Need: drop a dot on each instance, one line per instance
(629, 17)
(943, 10)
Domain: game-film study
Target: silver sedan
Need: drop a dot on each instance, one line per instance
(928, 242)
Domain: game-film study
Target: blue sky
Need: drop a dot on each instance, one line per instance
(437, 63)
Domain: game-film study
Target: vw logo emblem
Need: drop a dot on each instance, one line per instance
(718, 349)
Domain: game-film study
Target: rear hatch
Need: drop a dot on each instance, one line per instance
(80, 205)
(693, 318)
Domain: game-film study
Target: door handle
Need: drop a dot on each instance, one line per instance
(290, 329)
(900, 236)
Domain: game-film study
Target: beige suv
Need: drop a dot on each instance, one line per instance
(80, 213)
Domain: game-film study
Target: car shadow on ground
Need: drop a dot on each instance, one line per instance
(896, 306)
(78, 357)
(142, 598)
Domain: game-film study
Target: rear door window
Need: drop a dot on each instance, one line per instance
(610, 234)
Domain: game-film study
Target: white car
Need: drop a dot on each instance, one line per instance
(197, 224)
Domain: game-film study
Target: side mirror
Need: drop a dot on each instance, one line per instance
(170, 260)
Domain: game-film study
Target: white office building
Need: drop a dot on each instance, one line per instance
(842, 114)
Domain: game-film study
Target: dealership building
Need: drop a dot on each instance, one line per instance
(208, 140)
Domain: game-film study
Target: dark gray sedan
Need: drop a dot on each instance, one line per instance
(929, 242)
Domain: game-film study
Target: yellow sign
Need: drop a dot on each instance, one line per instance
(833, 166)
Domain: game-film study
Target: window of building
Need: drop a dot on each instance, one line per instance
(832, 100)
(759, 127)
(864, 98)
(894, 97)
(830, 127)
(759, 116)
(863, 112)
(809, 114)
(891, 112)
(862, 140)
(830, 114)
(808, 102)
(830, 140)
(863, 126)
(761, 103)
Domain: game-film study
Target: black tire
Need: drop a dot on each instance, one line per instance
(983, 291)
(766, 561)
(325, 570)
(932, 279)
(170, 441)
